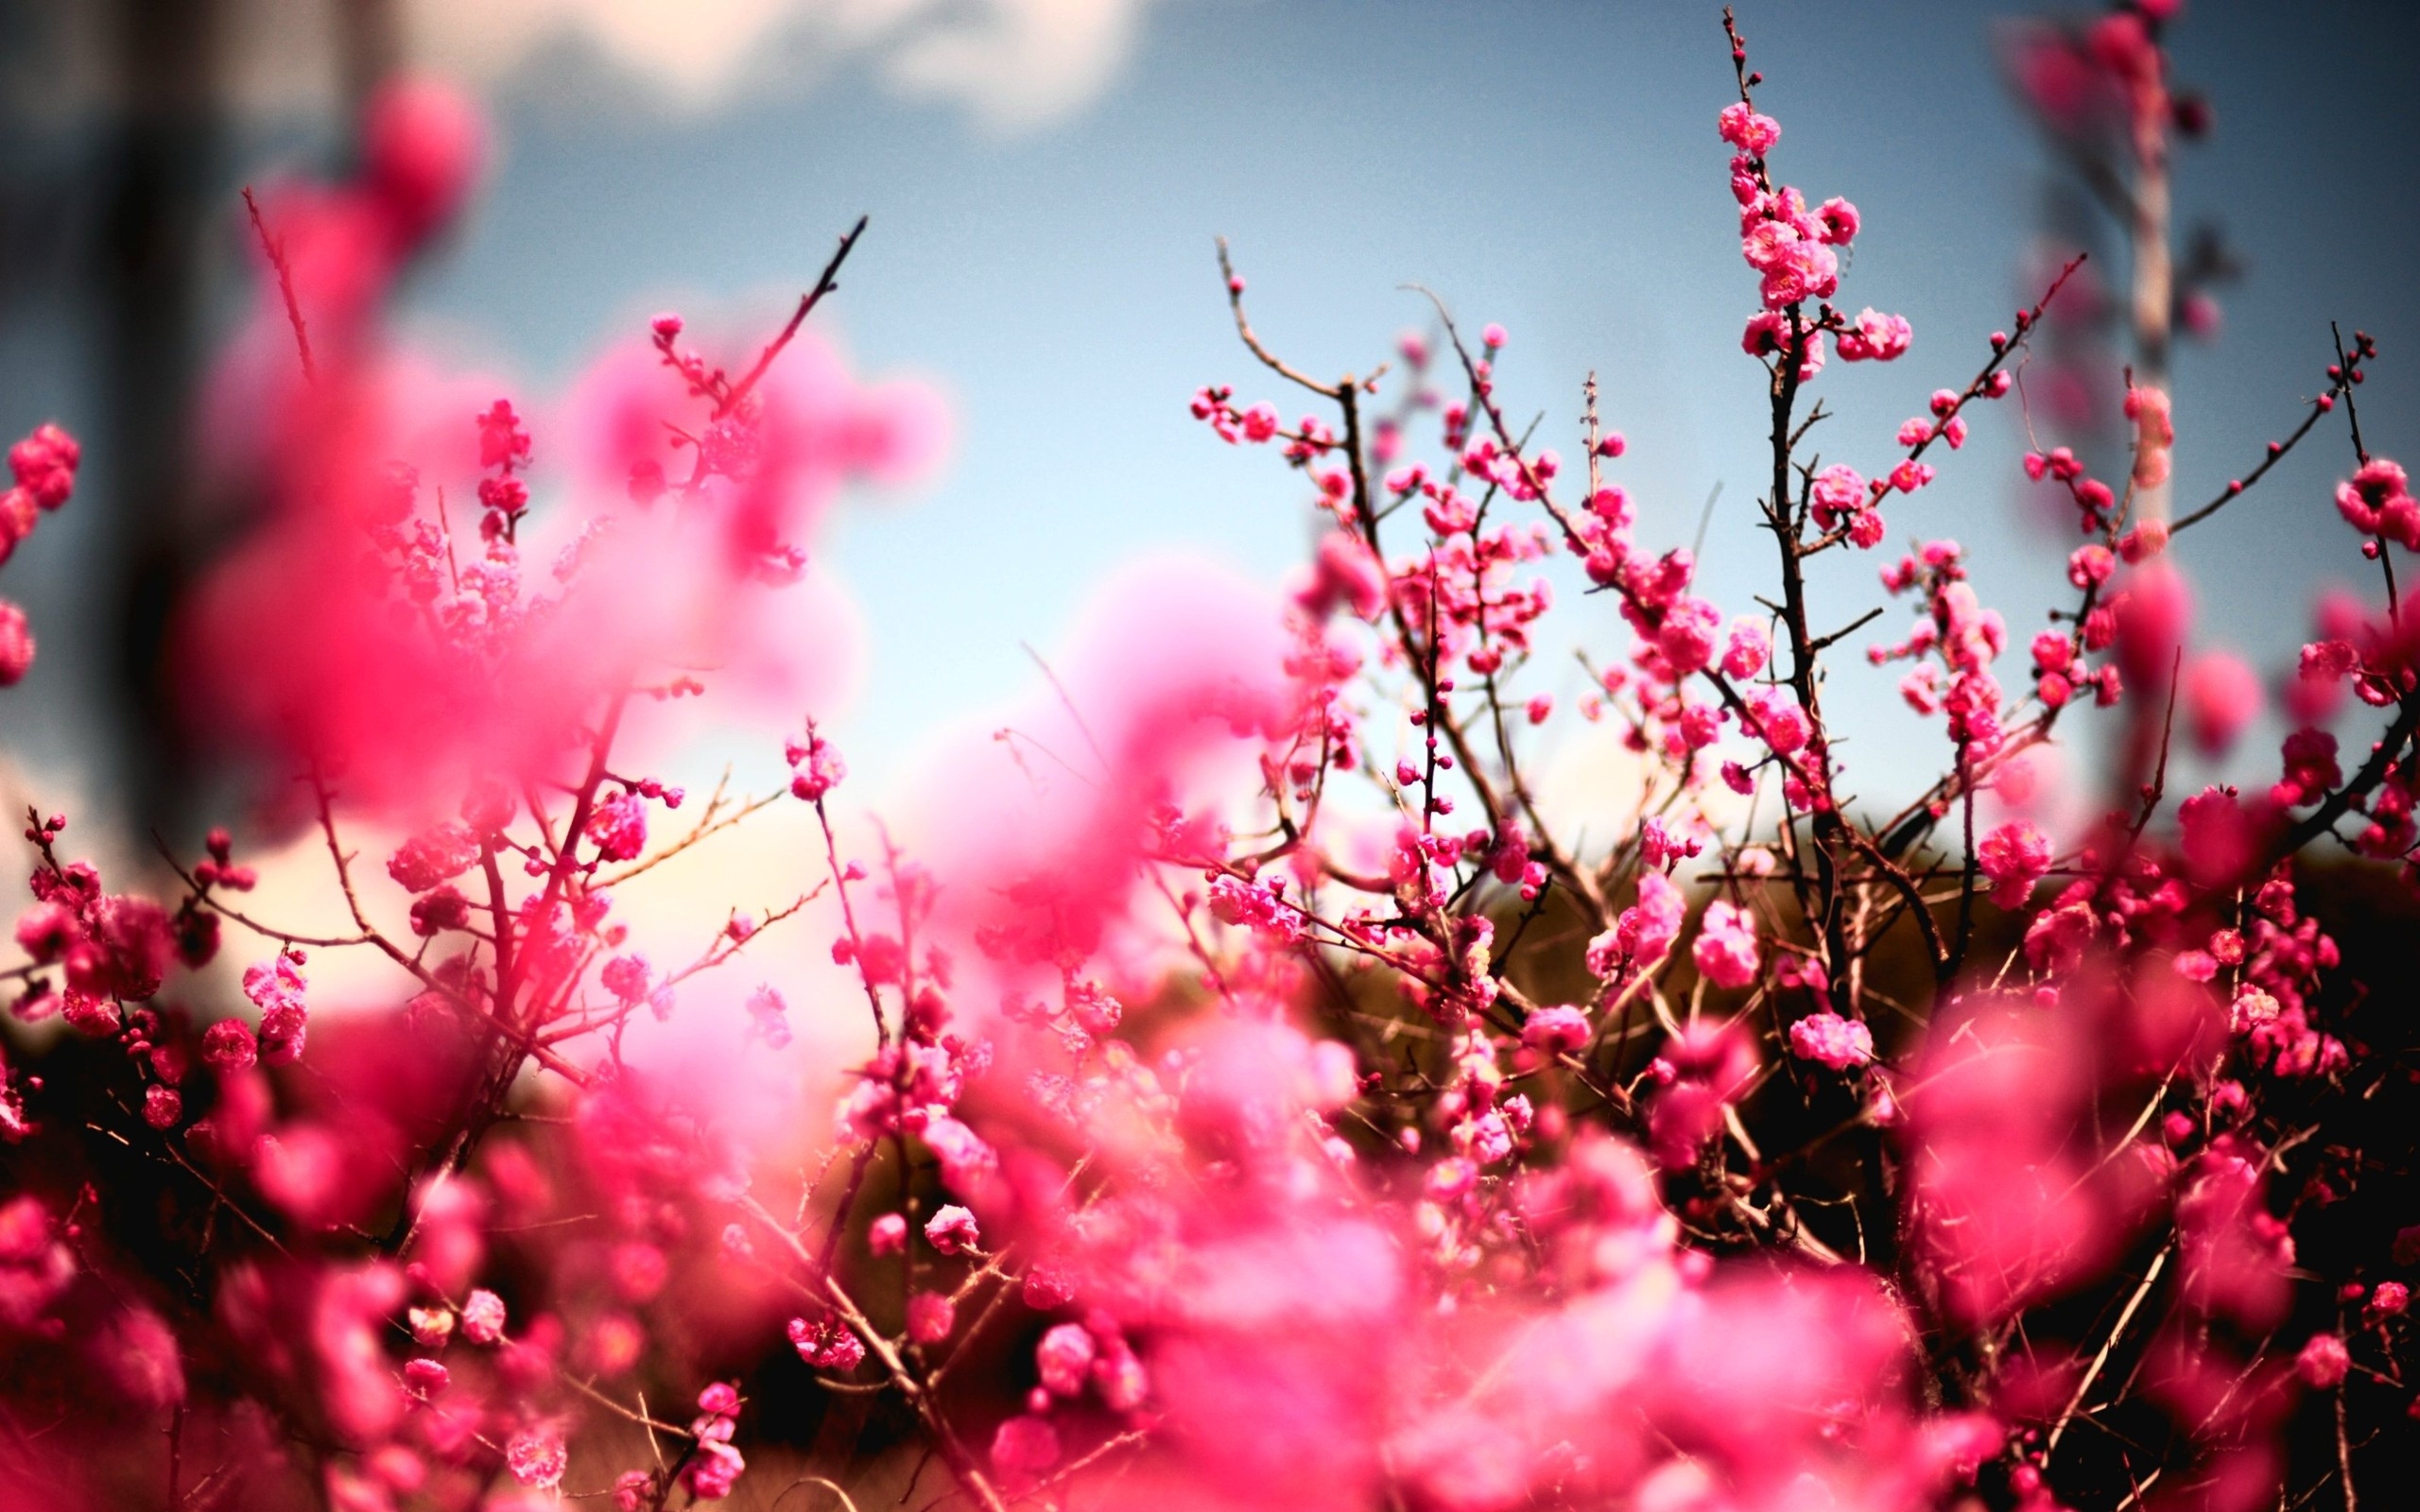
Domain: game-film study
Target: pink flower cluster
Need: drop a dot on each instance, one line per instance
(1793, 247)
(44, 465)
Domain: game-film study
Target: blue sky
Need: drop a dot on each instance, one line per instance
(1549, 166)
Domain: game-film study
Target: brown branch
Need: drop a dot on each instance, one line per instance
(2239, 486)
(709, 824)
(273, 248)
(807, 302)
(2100, 1359)
(952, 1450)
(1251, 343)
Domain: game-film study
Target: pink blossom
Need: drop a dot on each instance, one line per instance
(1747, 131)
(1644, 933)
(2153, 612)
(227, 1046)
(1346, 575)
(2377, 501)
(2013, 856)
(426, 1378)
(620, 827)
(46, 930)
(483, 1317)
(768, 1016)
(714, 1470)
(1557, 1030)
(276, 988)
(1875, 337)
(967, 1162)
(1920, 689)
(1838, 493)
(815, 766)
(2323, 1362)
(1700, 724)
(139, 1356)
(1688, 634)
(1829, 1039)
(2142, 540)
(162, 1107)
(1064, 1358)
(2332, 660)
(2010, 1209)
(1662, 843)
(1491, 1235)
(886, 1234)
(16, 645)
(1911, 474)
(1769, 334)
(931, 1317)
(44, 464)
(1779, 721)
(827, 1346)
(2154, 434)
(1794, 270)
(1704, 1067)
(2222, 696)
(536, 1457)
(1726, 946)
(953, 1230)
(1024, 1447)
(2089, 566)
(433, 856)
(1748, 650)
(633, 1490)
(2215, 832)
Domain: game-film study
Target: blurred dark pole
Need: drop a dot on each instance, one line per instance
(165, 146)
(372, 37)
(169, 196)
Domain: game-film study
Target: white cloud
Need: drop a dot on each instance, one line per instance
(1020, 62)
(1015, 63)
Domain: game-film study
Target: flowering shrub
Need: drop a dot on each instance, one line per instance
(1275, 1104)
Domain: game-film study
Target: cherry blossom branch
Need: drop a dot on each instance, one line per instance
(829, 282)
(2275, 453)
(903, 1376)
(273, 248)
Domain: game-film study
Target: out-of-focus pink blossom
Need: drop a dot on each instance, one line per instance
(1557, 1030)
(2222, 698)
(2154, 434)
(931, 1317)
(536, 1457)
(2323, 1362)
(1065, 1359)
